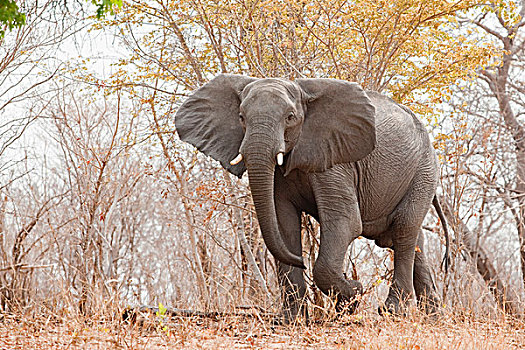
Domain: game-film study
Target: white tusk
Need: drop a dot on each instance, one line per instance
(280, 158)
(237, 160)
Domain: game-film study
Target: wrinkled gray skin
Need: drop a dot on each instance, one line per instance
(356, 161)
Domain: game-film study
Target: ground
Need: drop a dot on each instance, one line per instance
(352, 332)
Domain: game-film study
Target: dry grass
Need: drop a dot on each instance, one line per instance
(352, 332)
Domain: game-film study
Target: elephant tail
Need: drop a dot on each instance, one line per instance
(446, 258)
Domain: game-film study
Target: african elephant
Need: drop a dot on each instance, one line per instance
(356, 161)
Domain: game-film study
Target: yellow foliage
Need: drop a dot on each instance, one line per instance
(413, 50)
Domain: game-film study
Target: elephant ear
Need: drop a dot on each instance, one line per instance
(339, 125)
(209, 119)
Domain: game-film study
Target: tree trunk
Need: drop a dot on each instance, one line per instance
(499, 82)
(482, 261)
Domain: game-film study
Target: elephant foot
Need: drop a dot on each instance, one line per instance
(292, 315)
(429, 305)
(389, 310)
(348, 304)
(393, 306)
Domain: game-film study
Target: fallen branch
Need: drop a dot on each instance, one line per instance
(131, 315)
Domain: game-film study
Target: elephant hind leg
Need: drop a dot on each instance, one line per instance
(426, 294)
(401, 289)
(405, 229)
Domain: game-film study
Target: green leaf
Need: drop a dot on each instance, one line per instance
(162, 310)
(10, 16)
(106, 6)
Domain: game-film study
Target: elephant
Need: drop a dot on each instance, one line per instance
(355, 160)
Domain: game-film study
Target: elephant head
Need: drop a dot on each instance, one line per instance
(258, 124)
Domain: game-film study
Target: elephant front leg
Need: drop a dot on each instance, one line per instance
(291, 279)
(293, 291)
(340, 224)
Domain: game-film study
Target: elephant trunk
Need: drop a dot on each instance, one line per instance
(260, 162)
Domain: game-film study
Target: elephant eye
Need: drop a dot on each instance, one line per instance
(291, 117)
(241, 118)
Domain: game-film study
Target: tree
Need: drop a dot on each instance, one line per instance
(26, 70)
(27, 63)
(481, 150)
(408, 50)
(131, 215)
(504, 82)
